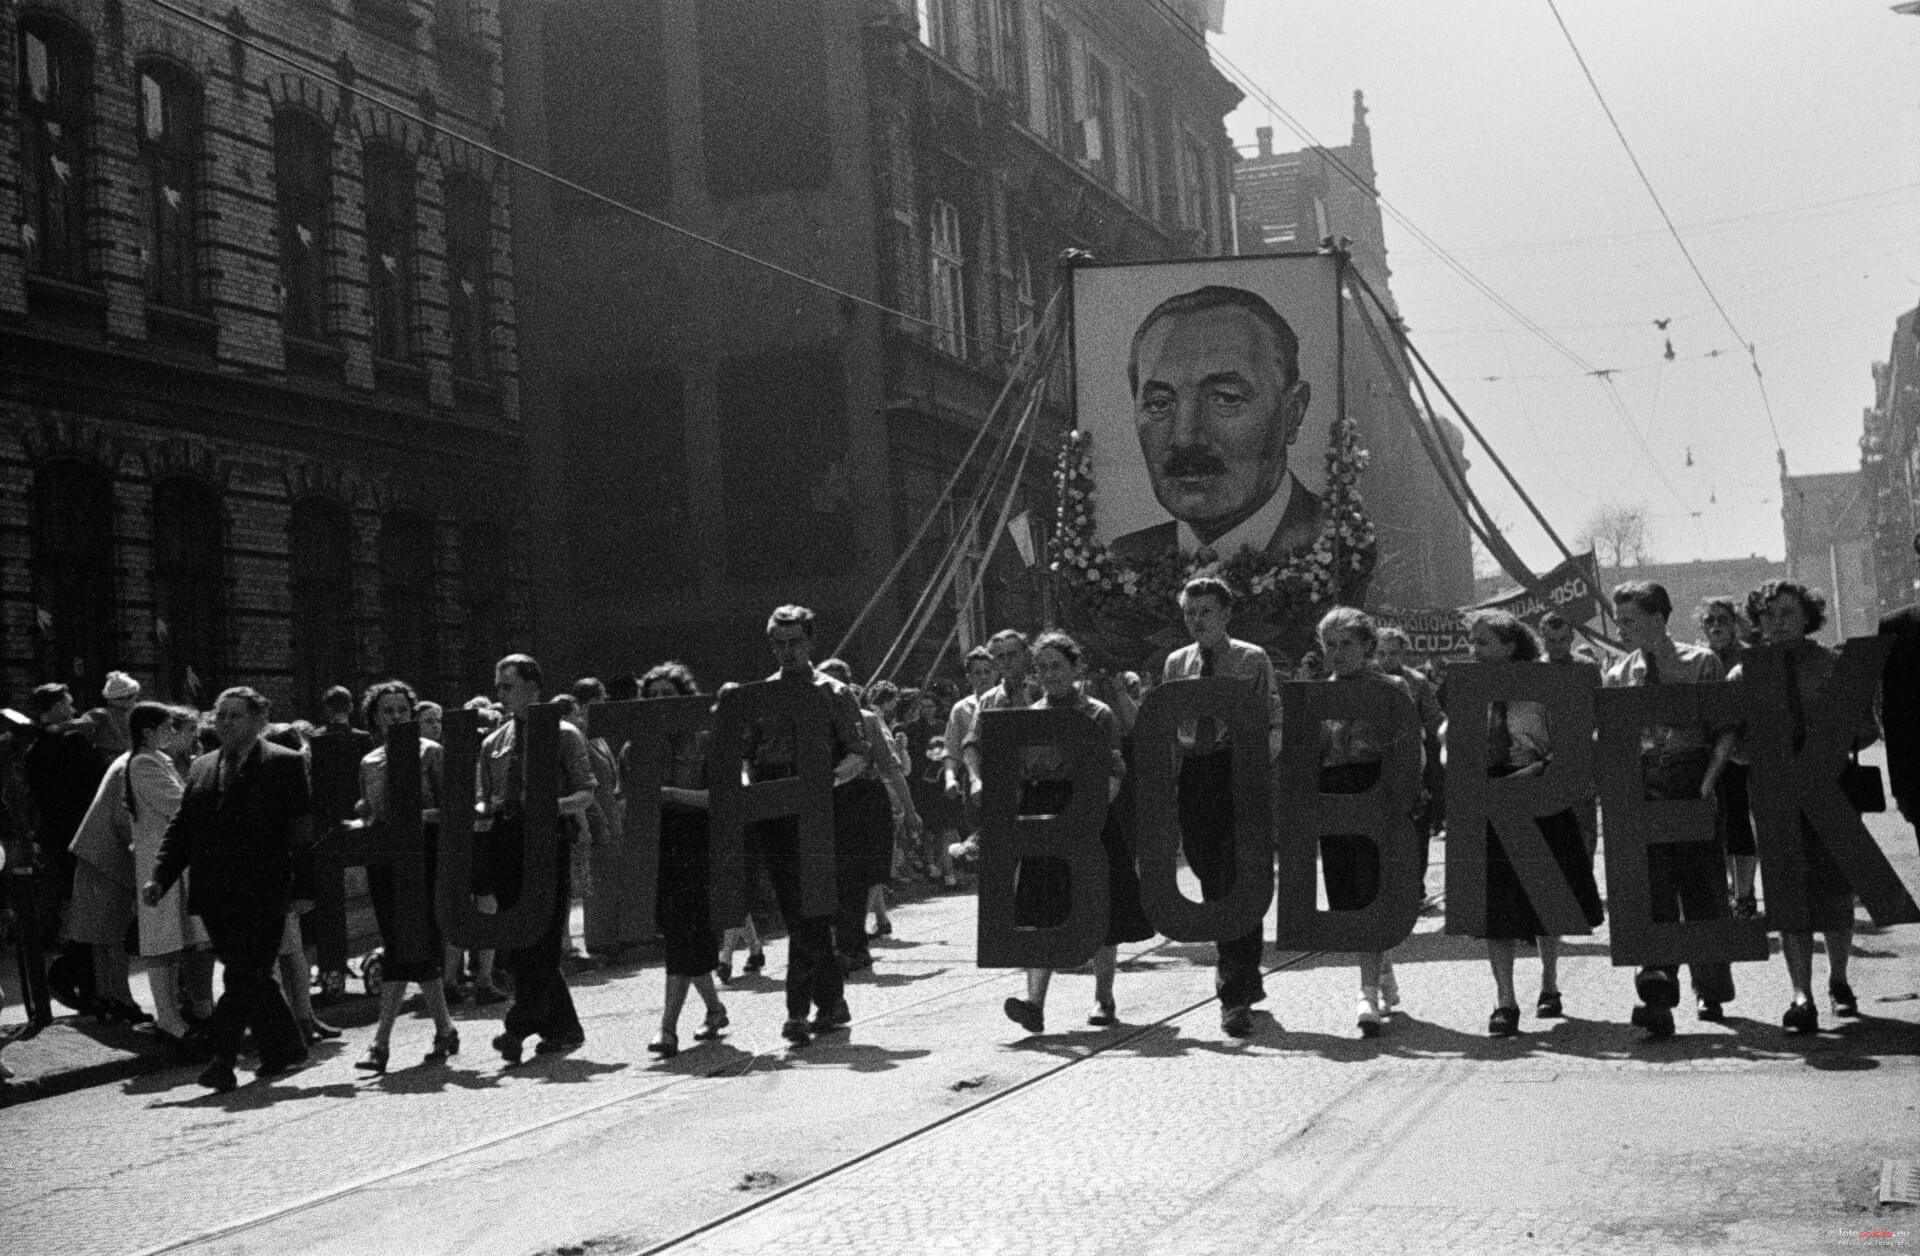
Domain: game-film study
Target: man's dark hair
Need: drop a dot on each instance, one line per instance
(980, 654)
(337, 701)
(1647, 595)
(791, 614)
(47, 697)
(1219, 296)
(1007, 634)
(256, 701)
(1813, 603)
(623, 688)
(588, 690)
(1208, 586)
(525, 666)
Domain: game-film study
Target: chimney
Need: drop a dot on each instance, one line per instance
(1266, 140)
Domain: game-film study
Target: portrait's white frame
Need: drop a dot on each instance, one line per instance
(1109, 303)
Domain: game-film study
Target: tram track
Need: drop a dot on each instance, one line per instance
(758, 1050)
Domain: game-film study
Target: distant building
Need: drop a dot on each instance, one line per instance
(258, 389)
(1288, 203)
(1829, 527)
(1689, 584)
(1890, 465)
(712, 437)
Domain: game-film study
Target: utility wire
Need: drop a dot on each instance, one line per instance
(1753, 355)
(322, 74)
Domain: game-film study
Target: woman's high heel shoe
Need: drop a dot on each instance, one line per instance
(444, 1046)
(375, 1061)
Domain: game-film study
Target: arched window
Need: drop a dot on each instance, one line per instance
(469, 270)
(53, 125)
(407, 598)
(303, 183)
(390, 237)
(169, 166)
(74, 612)
(189, 588)
(320, 546)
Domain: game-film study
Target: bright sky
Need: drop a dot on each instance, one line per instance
(1782, 136)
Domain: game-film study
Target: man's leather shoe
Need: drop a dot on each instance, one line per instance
(1656, 989)
(318, 1030)
(1657, 1021)
(508, 1045)
(218, 1077)
(554, 1046)
(796, 1032)
(1236, 1021)
(1026, 1015)
(1710, 1010)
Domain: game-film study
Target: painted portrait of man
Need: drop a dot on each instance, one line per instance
(1218, 403)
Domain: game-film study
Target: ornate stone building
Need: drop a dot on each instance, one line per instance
(722, 437)
(259, 410)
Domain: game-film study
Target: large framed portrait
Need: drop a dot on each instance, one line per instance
(1208, 390)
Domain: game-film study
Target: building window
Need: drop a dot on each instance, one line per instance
(763, 96)
(469, 271)
(1098, 131)
(1140, 181)
(73, 609)
(320, 547)
(1060, 117)
(53, 125)
(407, 598)
(1196, 191)
(390, 232)
(947, 289)
(303, 174)
(938, 29)
(169, 161)
(1026, 311)
(189, 590)
(483, 595)
(1010, 50)
(788, 484)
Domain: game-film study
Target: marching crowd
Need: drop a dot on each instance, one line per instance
(186, 837)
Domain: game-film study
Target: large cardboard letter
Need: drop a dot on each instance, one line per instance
(638, 730)
(1382, 815)
(1787, 786)
(807, 796)
(526, 854)
(399, 844)
(1156, 762)
(1006, 837)
(1511, 804)
(1634, 823)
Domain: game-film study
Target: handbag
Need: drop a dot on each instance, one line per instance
(1862, 785)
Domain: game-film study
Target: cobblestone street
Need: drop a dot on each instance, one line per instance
(936, 1125)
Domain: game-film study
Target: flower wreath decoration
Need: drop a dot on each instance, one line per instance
(1143, 596)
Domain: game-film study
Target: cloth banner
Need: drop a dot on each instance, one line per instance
(1572, 588)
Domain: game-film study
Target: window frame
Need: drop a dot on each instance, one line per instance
(71, 548)
(1100, 102)
(55, 121)
(390, 183)
(170, 164)
(303, 148)
(189, 585)
(1141, 186)
(469, 257)
(320, 578)
(947, 277)
(1058, 61)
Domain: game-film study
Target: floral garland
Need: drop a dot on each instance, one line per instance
(1140, 595)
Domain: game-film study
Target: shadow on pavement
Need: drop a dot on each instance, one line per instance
(858, 1057)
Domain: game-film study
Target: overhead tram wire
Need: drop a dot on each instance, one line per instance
(1327, 154)
(1653, 195)
(321, 73)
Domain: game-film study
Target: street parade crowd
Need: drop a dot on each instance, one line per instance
(194, 837)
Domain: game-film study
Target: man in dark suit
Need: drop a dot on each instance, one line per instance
(1218, 398)
(1900, 706)
(247, 808)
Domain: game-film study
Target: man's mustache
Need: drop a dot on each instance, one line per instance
(1184, 463)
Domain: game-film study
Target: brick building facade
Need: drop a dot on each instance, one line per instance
(259, 409)
(720, 437)
(1890, 466)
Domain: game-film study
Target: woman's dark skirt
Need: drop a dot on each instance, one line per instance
(863, 832)
(1736, 809)
(383, 890)
(680, 907)
(1509, 913)
(1042, 893)
(1349, 864)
